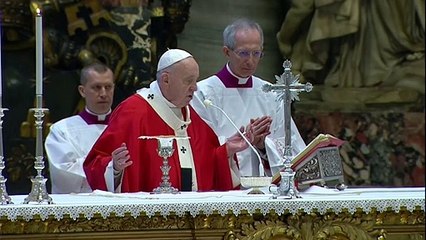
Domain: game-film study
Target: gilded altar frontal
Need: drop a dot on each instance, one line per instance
(349, 76)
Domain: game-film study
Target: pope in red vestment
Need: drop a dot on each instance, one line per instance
(149, 113)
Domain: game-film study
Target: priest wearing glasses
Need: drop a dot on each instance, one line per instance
(236, 91)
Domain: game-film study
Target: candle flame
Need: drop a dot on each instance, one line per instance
(38, 11)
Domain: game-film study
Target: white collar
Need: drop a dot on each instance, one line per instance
(101, 117)
(240, 79)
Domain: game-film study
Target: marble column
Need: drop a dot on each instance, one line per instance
(202, 35)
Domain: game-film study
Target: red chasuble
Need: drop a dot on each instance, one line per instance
(135, 117)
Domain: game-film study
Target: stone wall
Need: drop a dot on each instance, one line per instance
(203, 32)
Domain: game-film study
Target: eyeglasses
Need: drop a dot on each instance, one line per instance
(246, 53)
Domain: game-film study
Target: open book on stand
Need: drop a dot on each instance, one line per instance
(319, 162)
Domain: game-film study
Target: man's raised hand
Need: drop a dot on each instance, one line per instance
(121, 158)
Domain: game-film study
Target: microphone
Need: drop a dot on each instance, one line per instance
(209, 103)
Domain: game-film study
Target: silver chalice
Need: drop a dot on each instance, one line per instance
(165, 150)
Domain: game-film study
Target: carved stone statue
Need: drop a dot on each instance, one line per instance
(372, 51)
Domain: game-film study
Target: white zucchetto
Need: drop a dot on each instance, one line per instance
(170, 57)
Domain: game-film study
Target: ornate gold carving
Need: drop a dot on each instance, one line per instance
(96, 224)
(403, 217)
(79, 14)
(15, 21)
(107, 47)
(230, 235)
(342, 226)
(158, 11)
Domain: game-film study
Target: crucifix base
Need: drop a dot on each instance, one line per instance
(287, 188)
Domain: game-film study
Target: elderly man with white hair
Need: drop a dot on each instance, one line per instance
(121, 162)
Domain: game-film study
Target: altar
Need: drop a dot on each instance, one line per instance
(355, 213)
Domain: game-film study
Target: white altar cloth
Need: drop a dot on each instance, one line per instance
(314, 199)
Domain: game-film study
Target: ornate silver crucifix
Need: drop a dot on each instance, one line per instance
(288, 88)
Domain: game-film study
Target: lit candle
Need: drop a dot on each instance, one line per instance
(39, 53)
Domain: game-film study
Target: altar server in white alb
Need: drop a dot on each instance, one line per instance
(70, 139)
(239, 93)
